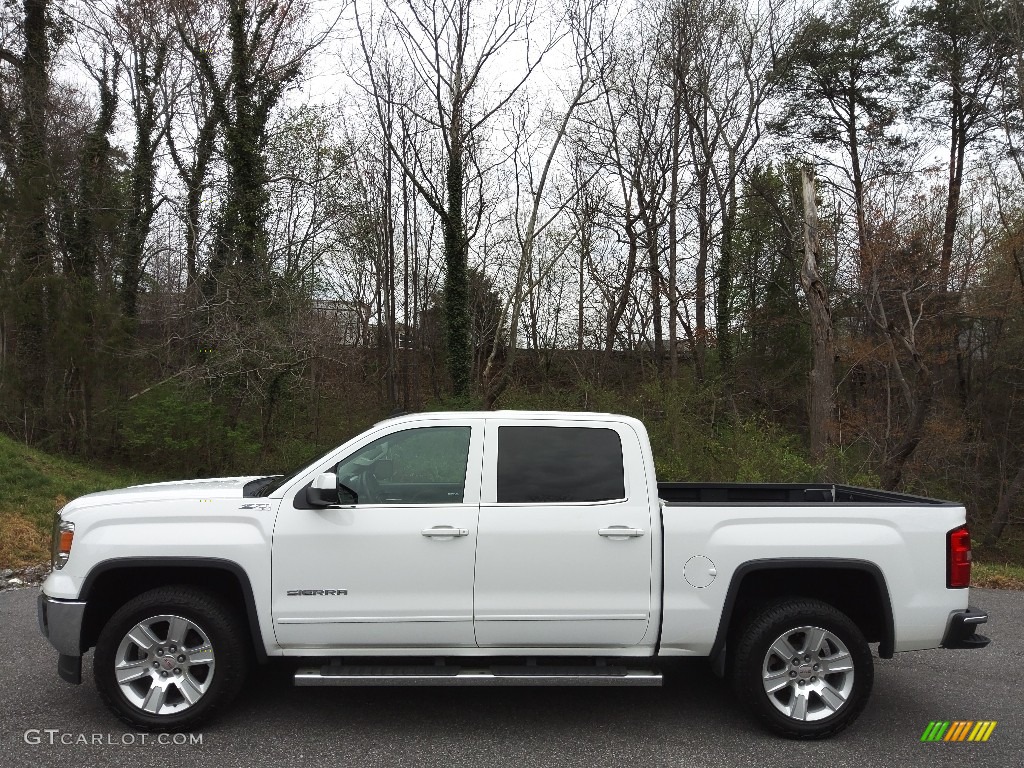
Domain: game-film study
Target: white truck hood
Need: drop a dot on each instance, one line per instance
(212, 488)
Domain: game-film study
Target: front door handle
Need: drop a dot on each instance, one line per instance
(444, 531)
(621, 530)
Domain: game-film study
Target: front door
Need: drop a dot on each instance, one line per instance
(394, 570)
(565, 551)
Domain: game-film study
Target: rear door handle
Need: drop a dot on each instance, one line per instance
(621, 530)
(444, 531)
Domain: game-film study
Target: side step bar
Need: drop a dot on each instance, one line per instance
(338, 675)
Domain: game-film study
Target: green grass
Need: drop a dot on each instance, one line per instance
(997, 575)
(33, 485)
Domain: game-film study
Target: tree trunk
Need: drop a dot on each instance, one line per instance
(90, 237)
(456, 278)
(891, 473)
(723, 298)
(150, 60)
(853, 138)
(389, 308)
(407, 320)
(957, 149)
(584, 247)
(1007, 501)
(655, 272)
(33, 273)
(618, 308)
(701, 298)
(193, 176)
(822, 384)
(673, 227)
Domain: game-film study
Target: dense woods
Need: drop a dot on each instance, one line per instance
(788, 236)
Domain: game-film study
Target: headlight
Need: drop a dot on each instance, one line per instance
(63, 536)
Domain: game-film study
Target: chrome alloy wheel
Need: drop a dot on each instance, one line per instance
(808, 673)
(164, 664)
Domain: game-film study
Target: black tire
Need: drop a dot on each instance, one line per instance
(201, 619)
(811, 702)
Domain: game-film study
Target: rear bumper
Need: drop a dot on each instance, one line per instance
(60, 622)
(962, 629)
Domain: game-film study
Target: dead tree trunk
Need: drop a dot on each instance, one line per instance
(822, 379)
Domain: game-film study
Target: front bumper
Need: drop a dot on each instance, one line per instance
(60, 622)
(962, 629)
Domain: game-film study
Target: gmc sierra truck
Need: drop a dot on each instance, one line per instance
(501, 548)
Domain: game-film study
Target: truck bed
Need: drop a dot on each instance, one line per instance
(679, 494)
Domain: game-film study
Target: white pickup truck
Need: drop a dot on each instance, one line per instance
(501, 548)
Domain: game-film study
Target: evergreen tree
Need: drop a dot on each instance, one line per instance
(962, 55)
(846, 78)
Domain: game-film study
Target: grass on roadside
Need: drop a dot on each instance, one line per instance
(34, 485)
(997, 575)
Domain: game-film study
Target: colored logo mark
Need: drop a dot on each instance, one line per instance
(958, 730)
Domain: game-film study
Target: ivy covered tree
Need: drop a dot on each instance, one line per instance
(30, 287)
(266, 47)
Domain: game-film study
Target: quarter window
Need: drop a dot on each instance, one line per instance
(559, 465)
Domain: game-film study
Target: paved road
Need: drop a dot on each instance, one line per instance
(692, 722)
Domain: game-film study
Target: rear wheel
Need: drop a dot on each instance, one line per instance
(169, 658)
(804, 669)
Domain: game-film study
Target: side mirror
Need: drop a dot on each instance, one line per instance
(323, 492)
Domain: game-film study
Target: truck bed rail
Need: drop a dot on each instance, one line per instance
(789, 493)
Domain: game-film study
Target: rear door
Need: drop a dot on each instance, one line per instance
(564, 542)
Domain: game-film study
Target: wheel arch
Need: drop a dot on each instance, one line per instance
(111, 583)
(855, 587)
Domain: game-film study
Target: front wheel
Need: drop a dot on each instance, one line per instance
(170, 657)
(804, 668)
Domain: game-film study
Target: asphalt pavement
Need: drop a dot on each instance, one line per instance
(693, 721)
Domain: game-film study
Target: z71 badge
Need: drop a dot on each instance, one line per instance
(316, 592)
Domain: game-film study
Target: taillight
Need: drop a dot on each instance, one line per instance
(958, 558)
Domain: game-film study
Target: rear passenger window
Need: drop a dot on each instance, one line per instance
(559, 464)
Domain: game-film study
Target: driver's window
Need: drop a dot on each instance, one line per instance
(426, 465)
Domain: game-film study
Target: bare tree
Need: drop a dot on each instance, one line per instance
(453, 48)
(584, 25)
(725, 80)
(628, 139)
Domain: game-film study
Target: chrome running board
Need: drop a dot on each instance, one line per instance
(338, 675)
